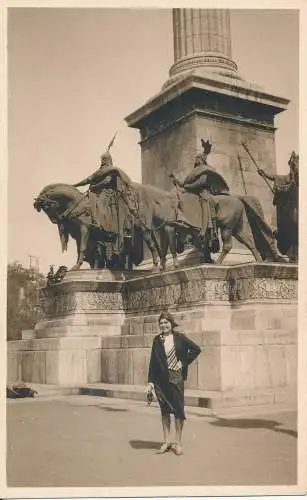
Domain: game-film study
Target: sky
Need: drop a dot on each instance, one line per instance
(73, 76)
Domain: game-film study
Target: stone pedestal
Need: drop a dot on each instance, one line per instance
(99, 327)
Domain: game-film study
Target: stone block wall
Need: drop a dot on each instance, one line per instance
(249, 353)
(55, 361)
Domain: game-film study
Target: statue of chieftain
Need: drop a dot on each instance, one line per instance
(109, 211)
(205, 182)
(285, 198)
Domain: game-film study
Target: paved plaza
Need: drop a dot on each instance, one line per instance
(87, 441)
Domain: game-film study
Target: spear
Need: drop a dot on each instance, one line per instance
(111, 142)
(254, 162)
(242, 175)
(116, 195)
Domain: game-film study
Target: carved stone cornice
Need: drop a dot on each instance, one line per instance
(186, 287)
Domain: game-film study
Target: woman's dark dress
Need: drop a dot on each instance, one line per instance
(169, 384)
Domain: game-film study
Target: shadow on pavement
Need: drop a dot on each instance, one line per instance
(110, 408)
(100, 407)
(287, 431)
(144, 445)
(252, 423)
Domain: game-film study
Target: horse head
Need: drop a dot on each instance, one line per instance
(54, 200)
(48, 205)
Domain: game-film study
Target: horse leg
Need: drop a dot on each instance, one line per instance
(77, 266)
(173, 245)
(246, 238)
(81, 246)
(164, 243)
(294, 251)
(98, 256)
(126, 254)
(226, 235)
(207, 253)
(155, 253)
(168, 241)
(293, 254)
(130, 261)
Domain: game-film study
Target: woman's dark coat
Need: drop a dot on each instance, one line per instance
(186, 351)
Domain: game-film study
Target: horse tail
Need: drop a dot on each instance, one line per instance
(64, 236)
(262, 232)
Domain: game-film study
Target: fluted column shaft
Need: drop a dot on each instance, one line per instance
(202, 38)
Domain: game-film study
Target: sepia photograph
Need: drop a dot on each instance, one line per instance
(152, 273)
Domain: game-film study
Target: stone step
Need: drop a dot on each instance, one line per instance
(213, 400)
(201, 399)
(209, 400)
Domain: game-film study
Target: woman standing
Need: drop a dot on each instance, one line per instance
(171, 354)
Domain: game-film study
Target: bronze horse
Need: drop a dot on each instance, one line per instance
(241, 217)
(67, 207)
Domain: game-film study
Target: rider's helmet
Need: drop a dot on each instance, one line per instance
(106, 160)
(201, 158)
(207, 146)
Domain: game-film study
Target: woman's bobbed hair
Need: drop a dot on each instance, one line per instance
(169, 317)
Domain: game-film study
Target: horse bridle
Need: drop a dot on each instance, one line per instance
(44, 199)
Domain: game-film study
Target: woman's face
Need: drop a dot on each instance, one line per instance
(165, 325)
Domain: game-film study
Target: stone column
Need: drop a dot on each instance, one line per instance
(202, 39)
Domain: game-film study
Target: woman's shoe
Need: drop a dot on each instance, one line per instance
(164, 448)
(177, 448)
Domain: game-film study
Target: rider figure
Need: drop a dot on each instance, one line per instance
(283, 183)
(108, 186)
(285, 191)
(106, 177)
(205, 182)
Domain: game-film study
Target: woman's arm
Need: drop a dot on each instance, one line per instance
(150, 378)
(192, 349)
(151, 368)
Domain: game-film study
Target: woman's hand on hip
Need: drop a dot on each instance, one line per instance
(149, 387)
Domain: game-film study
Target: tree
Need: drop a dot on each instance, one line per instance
(23, 309)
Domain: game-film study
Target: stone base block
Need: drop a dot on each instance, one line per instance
(248, 361)
(62, 361)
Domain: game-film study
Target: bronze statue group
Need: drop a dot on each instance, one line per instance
(115, 216)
